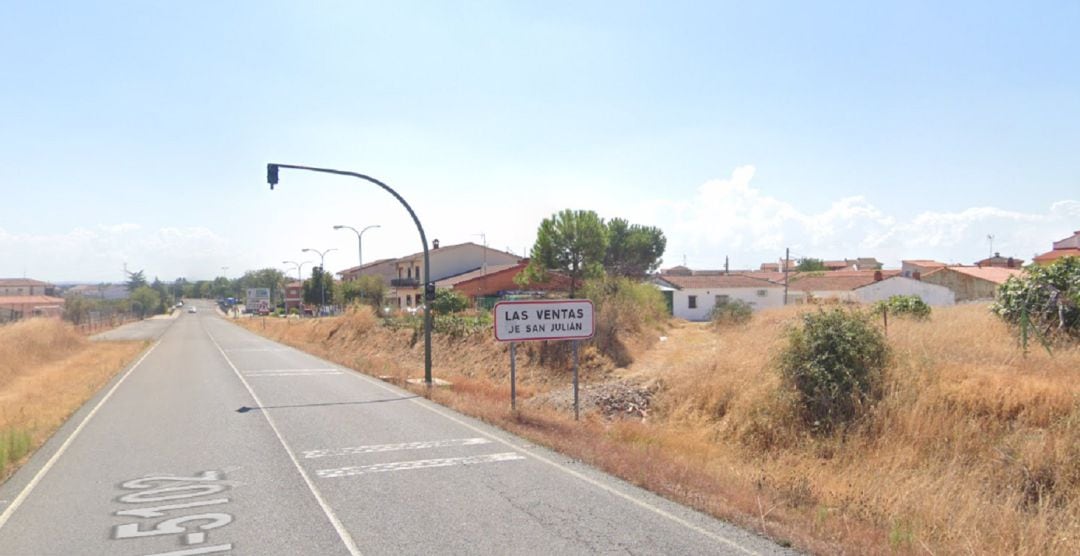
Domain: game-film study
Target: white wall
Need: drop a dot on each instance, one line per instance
(706, 298)
(931, 294)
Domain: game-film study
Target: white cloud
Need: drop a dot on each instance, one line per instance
(730, 217)
(100, 253)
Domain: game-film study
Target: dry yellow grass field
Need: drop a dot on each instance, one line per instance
(47, 371)
(974, 448)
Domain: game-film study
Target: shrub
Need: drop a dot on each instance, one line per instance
(904, 306)
(734, 311)
(622, 306)
(448, 301)
(834, 362)
(1045, 299)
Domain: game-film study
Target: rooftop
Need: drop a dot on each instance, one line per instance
(995, 274)
(717, 281)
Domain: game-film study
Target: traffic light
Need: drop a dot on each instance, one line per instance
(271, 175)
(429, 291)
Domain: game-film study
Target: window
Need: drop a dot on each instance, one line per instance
(722, 299)
(693, 301)
(762, 293)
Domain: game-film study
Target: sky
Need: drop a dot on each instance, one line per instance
(136, 134)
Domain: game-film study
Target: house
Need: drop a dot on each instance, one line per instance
(16, 307)
(497, 280)
(917, 268)
(880, 290)
(406, 282)
(25, 286)
(693, 297)
(1068, 247)
(840, 285)
(999, 261)
(110, 292)
(294, 296)
(383, 268)
(838, 265)
(971, 283)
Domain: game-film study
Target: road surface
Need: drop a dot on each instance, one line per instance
(218, 441)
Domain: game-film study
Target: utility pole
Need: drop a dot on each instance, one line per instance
(787, 262)
(726, 270)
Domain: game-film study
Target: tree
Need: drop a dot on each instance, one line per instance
(368, 289)
(1044, 300)
(135, 280)
(221, 287)
(270, 278)
(573, 242)
(76, 308)
(633, 250)
(809, 264)
(313, 293)
(145, 301)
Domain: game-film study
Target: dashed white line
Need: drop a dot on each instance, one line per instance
(375, 448)
(292, 372)
(339, 527)
(417, 464)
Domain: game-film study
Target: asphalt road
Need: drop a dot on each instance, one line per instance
(219, 441)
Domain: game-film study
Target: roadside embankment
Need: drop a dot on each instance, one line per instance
(972, 447)
(48, 369)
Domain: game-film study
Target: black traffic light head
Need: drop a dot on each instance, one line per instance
(271, 175)
(429, 291)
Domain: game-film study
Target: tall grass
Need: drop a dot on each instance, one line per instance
(971, 448)
(47, 370)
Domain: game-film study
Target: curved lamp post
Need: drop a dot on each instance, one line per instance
(322, 271)
(429, 289)
(359, 240)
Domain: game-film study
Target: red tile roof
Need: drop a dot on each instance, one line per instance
(1051, 256)
(8, 300)
(717, 281)
(995, 274)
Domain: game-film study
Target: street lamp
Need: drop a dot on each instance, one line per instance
(299, 276)
(429, 288)
(359, 240)
(322, 270)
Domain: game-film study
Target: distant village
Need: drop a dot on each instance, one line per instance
(484, 275)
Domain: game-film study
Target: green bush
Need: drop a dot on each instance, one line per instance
(734, 311)
(834, 362)
(1044, 300)
(448, 301)
(622, 306)
(904, 306)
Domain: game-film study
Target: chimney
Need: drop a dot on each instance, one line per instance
(1011, 262)
(916, 275)
(877, 275)
(435, 244)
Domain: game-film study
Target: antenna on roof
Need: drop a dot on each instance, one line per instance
(990, 238)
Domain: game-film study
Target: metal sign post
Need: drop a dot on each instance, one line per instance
(524, 321)
(513, 375)
(577, 415)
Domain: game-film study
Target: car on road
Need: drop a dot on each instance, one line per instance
(191, 309)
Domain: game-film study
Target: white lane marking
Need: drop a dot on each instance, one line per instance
(577, 474)
(594, 482)
(417, 464)
(4, 517)
(343, 533)
(159, 511)
(293, 372)
(395, 447)
(194, 551)
(234, 350)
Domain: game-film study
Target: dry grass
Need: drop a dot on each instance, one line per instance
(973, 449)
(47, 371)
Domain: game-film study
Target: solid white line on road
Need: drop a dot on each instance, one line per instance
(292, 372)
(607, 488)
(235, 350)
(417, 464)
(4, 517)
(395, 447)
(343, 533)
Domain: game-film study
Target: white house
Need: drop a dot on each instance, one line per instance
(931, 294)
(693, 297)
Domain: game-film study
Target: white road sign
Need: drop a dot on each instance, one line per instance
(565, 319)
